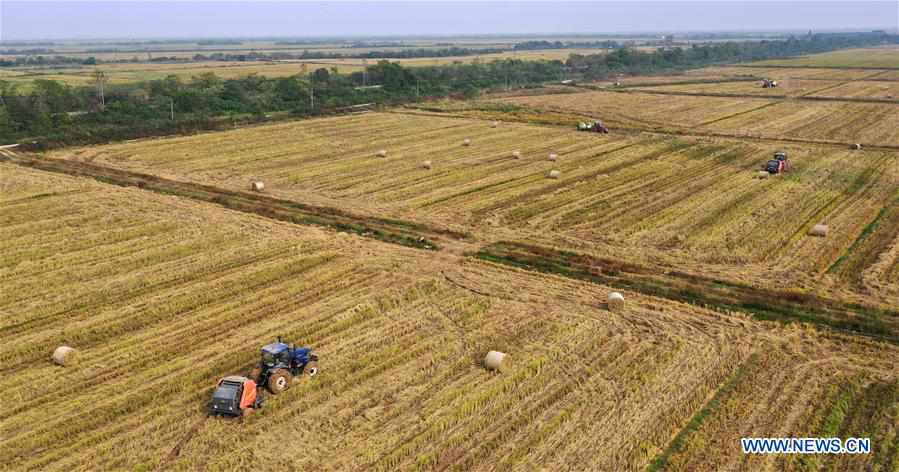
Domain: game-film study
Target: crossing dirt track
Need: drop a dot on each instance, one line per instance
(158, 263)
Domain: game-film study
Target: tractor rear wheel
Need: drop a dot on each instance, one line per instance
(279, 380)
(311, 368)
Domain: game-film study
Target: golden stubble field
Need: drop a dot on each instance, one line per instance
(884, 90)
(163, 296)
(694, 202)
(741, 116)
(886, 56)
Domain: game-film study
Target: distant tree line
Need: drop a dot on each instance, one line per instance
(537, 45)
(356, 44)
(42, 57)
(633, 62)
(53, 113)
(398, 54)
(25, 60)
(36, 61)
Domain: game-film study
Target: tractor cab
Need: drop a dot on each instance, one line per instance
(275, 353)
(235, 396)
(780, 156)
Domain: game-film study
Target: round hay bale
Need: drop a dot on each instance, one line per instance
(616, 301)
(553, 157)
(763, 174)
(258, 186)
(818, 230)
(382, 153)
(855, 147)
(495, 360)
(516, 154)
(426, 164)
(65, 356)
(467, 142)
(494, 124)
(553, 174)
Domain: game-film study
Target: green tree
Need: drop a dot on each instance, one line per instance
(321, 76)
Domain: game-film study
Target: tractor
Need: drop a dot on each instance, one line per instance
(768, 83)
(594, 126)
(235, 396)
(281, 363)
(779, 164)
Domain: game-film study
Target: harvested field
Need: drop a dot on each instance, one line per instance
(840, 122)
(838, 402)
(769, 304)
(886, 75)
(785, 87)
(643, 110)
(693, 76)
(326, 159)
(163, 288)
(873, 90)
(785, 72)
(685, 200)
(394, 231)
(863, 89)
(163, 296)
(866, 123)
(886, 57)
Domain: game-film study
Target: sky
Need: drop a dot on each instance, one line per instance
(21, 20)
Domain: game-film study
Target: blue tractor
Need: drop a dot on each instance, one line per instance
(281, 364)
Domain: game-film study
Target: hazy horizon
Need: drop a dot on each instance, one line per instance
(182, 20)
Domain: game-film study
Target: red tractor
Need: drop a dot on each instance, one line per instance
(235, 396)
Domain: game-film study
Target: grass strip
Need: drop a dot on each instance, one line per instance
(677, 444)
(763, 303)
(384, 229)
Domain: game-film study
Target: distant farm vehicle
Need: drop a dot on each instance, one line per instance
(281, 364)
(779, 164)
(768, 83)
(235, 396)
(594, 126)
